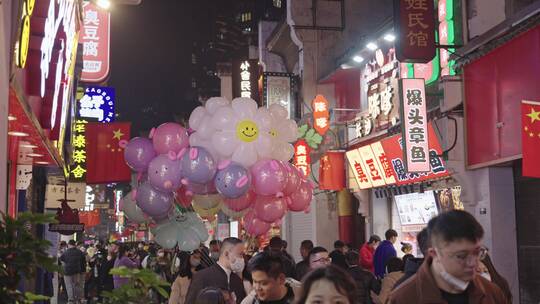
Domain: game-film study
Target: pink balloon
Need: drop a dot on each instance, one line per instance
(268, 177)
(293, 179)
(270, 208)
(170, 136)
(255, 226)
(300, 200)
(242, 203)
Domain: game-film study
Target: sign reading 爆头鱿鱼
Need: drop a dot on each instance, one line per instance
(95, 40)
(415, 28)
(97, 104)
(302, 158)
(321, 114)
(414, 118)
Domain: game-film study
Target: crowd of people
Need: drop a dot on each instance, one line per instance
(453, 267)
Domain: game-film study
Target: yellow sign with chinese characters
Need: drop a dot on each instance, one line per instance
(77, 170)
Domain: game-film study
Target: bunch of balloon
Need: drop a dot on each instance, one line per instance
(157, 162)
(251, 147)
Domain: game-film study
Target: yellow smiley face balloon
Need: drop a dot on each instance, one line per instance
(273, 133)
(247, 130)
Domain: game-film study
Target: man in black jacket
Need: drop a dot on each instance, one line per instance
(74, 263)
(365, 280)
(412, 265)
(338, 255)
(222, 275)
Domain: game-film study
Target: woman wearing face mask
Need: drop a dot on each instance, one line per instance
(189, 265)
(487, 270)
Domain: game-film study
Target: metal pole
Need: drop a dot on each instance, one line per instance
(5, 47)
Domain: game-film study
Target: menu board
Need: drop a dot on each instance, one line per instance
(415, 210)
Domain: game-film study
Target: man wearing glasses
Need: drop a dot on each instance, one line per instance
(448, 274)
(319, 258)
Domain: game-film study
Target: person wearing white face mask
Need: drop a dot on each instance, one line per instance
(222, 275)
(189, 265)
(449, 273)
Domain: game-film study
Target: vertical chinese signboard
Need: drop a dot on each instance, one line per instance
(302, 159)
(359, 169)
(414, 118)
(77, 171)
(384, 164)
(95, 39)
(277, 89)
(97, 104)
(321, 115)
(245, 78)
(415, 27)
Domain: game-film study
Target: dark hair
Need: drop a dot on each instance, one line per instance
(185, 264)
(339, 244)
(284, 244)
(316, 250)
(152, 250)
(306, 244)
(406, 258)
(374, 238)
(394, 264)
(455, 225)
(269, 263)
(275, 243)
(230, 242)
(351, 257)
(63, 243)
(497, 279)
(423, 241)
(390, 233)
(71, 243)
(214, 242)
(121, 250)
(405, 246)
(210, 295)
(342, 281)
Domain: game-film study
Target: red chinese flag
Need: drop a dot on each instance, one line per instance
(530, 138)
(332, 171)
(104, 154)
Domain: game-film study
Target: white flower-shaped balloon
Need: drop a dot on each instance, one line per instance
(283, 131)
(242, 132)
(200, 121)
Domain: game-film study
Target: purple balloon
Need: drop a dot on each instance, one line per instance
(153, 202)
(198, 165)
(233, 181)
(201, 188)
(170, 136)
(164, 172)
(138, 153)
(269, 177)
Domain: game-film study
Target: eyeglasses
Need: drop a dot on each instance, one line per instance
(476, 255)
(325, 260)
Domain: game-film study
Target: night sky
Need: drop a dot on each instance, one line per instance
(151, 60)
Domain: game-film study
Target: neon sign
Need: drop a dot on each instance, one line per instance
(97, 104)
(245, 83)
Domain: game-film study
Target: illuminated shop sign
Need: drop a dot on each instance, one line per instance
(302, 158)
(245, 76)
(97, 104)
(78, 169)
(321, 115)
(95, 39)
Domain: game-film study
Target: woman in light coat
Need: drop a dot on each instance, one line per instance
(189, 265)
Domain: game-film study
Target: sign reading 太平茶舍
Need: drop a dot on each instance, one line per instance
(95, 39)
(414, 118)
(415, 28)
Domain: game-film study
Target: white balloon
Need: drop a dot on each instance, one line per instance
(283, 151)
(214, 103)
(188, 240)
(246, 154)
(166, 235)
(131, 210)
(206, 128)
(264, 146)
(225, 143)
(288, 130)
(278, 111)
(196, 117)
(244, 107)
(263, 118)
(224, 119)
